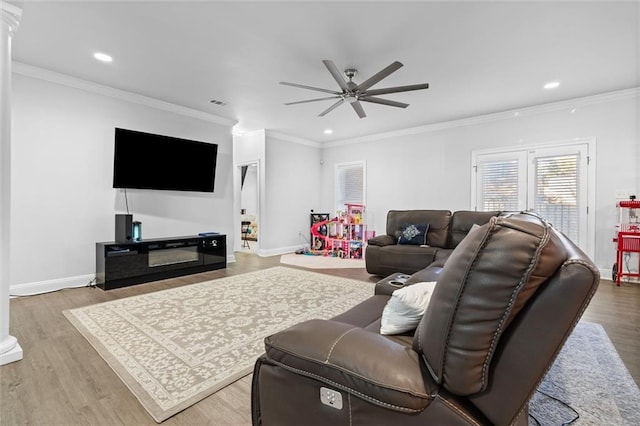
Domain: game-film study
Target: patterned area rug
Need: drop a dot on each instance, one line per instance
(320, 262)
(588, 379)
(173, 348)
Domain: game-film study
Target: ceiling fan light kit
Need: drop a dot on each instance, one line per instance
(352, 93)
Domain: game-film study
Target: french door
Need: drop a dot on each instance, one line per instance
(550, 180)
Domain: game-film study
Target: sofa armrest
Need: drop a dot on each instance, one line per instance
(348, 358)
(382, 240)
(388, 285)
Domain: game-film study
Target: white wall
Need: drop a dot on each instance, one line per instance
(63, 202)
(430, 167)
(62, 196)
(249, 147)
(292, 189)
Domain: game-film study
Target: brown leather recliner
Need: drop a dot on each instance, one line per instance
(505, 302)
(384, 256)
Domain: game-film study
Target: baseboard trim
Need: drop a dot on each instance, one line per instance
(12, 355)
(606, 274)
(40, 287)
(278, 251)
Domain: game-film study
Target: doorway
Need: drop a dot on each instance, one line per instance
(249, 208)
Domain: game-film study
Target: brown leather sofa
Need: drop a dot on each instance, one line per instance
(504, 303)
(384, 255)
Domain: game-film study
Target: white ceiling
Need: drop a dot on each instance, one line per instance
(478, 57)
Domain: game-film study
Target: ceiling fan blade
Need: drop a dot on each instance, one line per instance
(331, 108)
(302, 86)
(337, 75)
(383, 102)
(379, 76)
(375, 92)
(357, 107)
(312, 100)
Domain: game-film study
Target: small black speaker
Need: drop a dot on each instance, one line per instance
(124, 228)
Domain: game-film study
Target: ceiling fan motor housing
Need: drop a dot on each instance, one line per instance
(350, 73)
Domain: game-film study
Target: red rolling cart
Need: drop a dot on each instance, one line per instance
(627, 239)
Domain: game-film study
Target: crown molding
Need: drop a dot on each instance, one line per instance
(294, 139)
(252, 133)
(100, 89)
(66, 80)
(10, 16)
(487, 118)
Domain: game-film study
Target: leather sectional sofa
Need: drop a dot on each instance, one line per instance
(386, 254)
(504, 303)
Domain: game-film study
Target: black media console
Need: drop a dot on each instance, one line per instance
(124, 264)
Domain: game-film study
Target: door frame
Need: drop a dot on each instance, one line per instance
(590, 143)
(237, 177)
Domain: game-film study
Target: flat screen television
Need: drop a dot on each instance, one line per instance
(148, 161)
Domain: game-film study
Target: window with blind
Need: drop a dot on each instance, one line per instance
(556, 186)
(350, 184)
(500, 183)
(549, 181)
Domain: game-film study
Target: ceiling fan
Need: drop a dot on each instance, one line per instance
(353, 93)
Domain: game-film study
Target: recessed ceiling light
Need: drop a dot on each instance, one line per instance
(552, 85)
(328, 131)
(103, 57)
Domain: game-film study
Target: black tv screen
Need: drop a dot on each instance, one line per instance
(148, 161)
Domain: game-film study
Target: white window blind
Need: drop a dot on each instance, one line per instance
(556, 191)
(349, 184)
(499, 184)
(552, 180)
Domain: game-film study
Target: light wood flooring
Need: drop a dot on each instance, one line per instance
(63, 381)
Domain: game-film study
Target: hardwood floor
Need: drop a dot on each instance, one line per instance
(63, 381)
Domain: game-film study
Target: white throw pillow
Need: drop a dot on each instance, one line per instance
(405, 308)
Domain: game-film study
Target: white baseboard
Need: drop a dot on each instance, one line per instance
(606, 274)
(40, 287)
(12, 355)
(30, 289)
(278, 251)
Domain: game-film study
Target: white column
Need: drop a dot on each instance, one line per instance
(10, 350)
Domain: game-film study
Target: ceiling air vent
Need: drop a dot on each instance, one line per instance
(217, 102)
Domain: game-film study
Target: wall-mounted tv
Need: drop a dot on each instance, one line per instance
(148, 161)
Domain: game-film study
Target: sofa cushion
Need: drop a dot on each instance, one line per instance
(462, 221)
(398, 258)
(438, 221)
(405, 308)
(365, 314)
(348, 358)
(483, 285)
(413, 234)
(381, 240)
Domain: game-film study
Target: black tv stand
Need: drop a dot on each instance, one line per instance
(124, 264)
